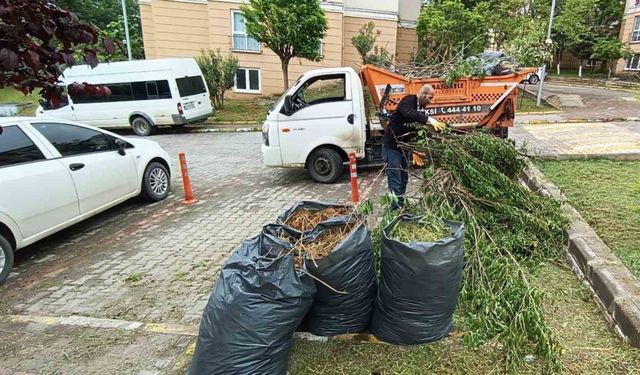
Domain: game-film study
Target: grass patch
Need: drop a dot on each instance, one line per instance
(586, 73)
(607, 194)
(239, 110)
(528, 103)
(589, 346)
(11, 95)
(134, 278)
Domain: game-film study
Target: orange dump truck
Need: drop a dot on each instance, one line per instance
(468, 102)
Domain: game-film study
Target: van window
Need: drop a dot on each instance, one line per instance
(16, 147)
(188, 86)
(128, 91)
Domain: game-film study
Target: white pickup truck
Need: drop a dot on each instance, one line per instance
(321, 119)
(317, 123)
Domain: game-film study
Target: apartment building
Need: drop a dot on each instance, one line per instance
(180, 28)
(630, 33)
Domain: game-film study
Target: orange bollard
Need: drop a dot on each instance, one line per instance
(355, 194)
(186, 182)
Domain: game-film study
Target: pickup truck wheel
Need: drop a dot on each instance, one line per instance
(534, 79)
(325, 165)
(6, 259)
(142, 127)
(155, 182)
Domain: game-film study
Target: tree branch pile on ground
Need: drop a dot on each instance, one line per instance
(510, 230)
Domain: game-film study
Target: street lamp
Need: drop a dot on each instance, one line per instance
(548, 42)
(126, 29)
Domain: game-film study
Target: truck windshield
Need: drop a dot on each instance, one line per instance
(281, 98)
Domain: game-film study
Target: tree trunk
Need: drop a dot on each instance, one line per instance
(609, 76)
(285, 73)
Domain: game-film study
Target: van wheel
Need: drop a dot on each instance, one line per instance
(6, 259)
(534, 79)
(142, 127)
(156, 182)
(325, 165)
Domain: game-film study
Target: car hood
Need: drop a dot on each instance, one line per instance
(143, 143)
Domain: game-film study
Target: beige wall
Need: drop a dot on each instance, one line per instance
(406, 44)
(625, 36)
(173, 29)
(352, 25)
(409, 10)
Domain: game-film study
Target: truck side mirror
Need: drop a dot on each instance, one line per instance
(287, 106)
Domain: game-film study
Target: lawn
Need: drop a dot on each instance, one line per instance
(607, 194)
(586, 73)
(527, 103)
(241, 110)
(589, 346)
(11, 95)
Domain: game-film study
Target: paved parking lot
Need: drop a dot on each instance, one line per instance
(123, 292)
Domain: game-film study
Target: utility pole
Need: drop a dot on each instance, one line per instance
(548, 42)
(126, 29)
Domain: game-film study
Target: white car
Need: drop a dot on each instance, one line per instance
(534, 77)
(55, 173)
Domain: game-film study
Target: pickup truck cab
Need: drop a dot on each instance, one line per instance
(317, 123)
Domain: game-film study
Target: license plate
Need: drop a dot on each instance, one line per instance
(190, 105)
(456, 109)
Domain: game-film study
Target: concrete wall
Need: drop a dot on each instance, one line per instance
(172, 28)
(625, 35)
(406, 44)
(352, 25)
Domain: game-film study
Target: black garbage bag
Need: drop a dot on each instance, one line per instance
(257, 303)
(419, 286)
(350, 268)
(308, 206)
(346, 306)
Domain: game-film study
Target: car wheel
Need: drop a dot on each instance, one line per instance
(534, 79)
(155, 182)
(142, 127)
(6, 259)
(325, 165)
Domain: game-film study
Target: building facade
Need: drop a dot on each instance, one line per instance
(630, 33)
(183, 28)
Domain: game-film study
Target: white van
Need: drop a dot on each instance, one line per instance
(144, 94)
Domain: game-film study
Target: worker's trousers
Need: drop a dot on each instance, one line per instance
(397, 167)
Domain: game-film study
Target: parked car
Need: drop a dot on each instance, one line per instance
(55, 173)
(144, 94)
(534, 77)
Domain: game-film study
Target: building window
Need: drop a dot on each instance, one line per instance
(240, 40)
(247, 80)
(635, 34)
(633, 63)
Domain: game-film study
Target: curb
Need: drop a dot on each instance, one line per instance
(578, 121)
(223, 130)
(616, 289)
(631, 156)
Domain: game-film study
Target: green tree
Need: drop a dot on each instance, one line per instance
(288, 28)
(107, 16)
(530, 48)
(446, 27)
(365, 45)
(608, 50)
(219, 71)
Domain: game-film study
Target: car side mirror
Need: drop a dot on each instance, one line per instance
(121, 145)
(287, 106)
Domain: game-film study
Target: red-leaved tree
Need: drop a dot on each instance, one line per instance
(37, 38)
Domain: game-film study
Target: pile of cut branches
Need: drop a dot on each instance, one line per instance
(473, 178)
(305, 220)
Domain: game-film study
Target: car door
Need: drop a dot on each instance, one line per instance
(324, 111)
(101, 175)
(36, 192)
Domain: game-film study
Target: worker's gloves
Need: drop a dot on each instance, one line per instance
(416, 159)
(439, 126)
